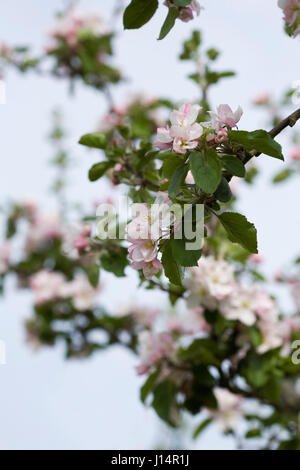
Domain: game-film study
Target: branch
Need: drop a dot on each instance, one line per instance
(290, 121)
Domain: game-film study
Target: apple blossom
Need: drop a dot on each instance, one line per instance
(226, 117)
(187, 13)
(44, 227)
(229, 409)
(291, 10)
(145, 316)
(82, 294)
(184, 132)
(210, 282)
(4, 257)
(47, 286)
(191, 323)
(238, 306)
(295, 153)
(153, 348)
(262, 98)
(69, 25)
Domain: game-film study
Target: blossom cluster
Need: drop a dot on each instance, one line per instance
(48, 286)
(186, 13)
(291, 11)
(212, 284)
(185, 132)
(145, 231)
(70, 25)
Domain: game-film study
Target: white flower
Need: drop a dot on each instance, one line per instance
(153, 347)
(210, 282)
(239, 306)
(47, 286)
(82, 294)
(229, 408)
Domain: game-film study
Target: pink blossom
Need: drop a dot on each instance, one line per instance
(44, 227)
(210, 282)
(291, 9)
(262, 98)
(229, 409)
(153, 348)
(191, 323)
(47, 286)
(82, 294)
(143, 250)
(256, 258)
(4, 257)
(164, 139)
(226, 117)
(150, 268)
(184, 131)
(295, 153)
(69, 25)
(189, 178)
(143, 315)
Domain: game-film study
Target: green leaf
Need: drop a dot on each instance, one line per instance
(259, 140)
(98, 170)
(201, 427)
(148, 385)
(283, 175)
(138, 13)
(201, 350)
(168, 23)
(206, 170)
(93, 274)
(164, 399)
(239, 230)
(255, 432)
(115, 262)
(223, 192)
(183, 256)
(233, 165)
(95, 140)
(170, 165)
(177, 179)
(172, 269)
(182, 3)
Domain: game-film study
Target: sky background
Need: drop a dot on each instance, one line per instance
(46, 402)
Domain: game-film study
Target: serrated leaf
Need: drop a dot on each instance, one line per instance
(95, 140)
(206, 170)
(138, 13)
(239, 230)
(259, 140)
(168, 23)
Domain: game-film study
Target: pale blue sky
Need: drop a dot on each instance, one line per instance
(45, 401)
